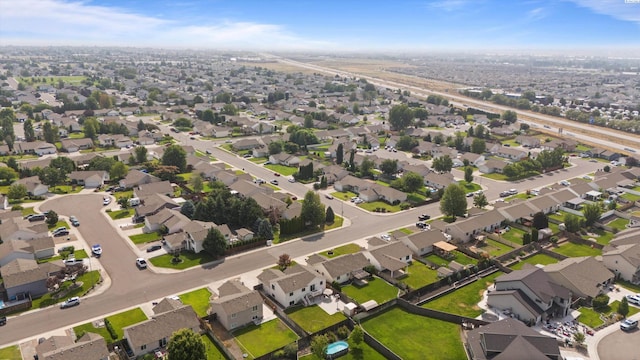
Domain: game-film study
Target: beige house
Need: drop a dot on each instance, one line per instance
(236, 305)
(624, 260)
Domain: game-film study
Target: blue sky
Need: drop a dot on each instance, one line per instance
(346, 25)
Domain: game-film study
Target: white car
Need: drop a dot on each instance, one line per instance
(70, 302)
(141, 263)
(96, 250)
(106, 200)
(565, 183)
(628, 325)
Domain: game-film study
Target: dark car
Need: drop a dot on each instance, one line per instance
(61, 233)
(154, 248)
(424, 217)
(3, 320)
(36, 217)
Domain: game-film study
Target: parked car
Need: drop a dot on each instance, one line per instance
(470, 194)
(424, 217)
(35, 217)
(628, 325)
(61, 231)
(276, 174)
(564, 183)
(328, 196)
(154, 248)
(274, 182)
(70, 302)
(106, 200)
(633, 299)
(513, 191)
(141, 263)
(70, 261)
(96, 250)
(3, 320)
(74, 221)
(504, 194)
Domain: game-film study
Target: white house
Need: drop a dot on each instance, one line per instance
(296, 284)
(624, 260)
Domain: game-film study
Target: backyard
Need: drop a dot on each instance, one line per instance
(413, 337)
(262, 339)
(313, 319)
(118, 321)
(464, 301)
(514, 235)
(377, 289)
(602, 237)
(419, 275)
(495, 248)
(459, 257)
(575, 250)
(536, 259)
(363, 352)
(198, 299)
(213, 353)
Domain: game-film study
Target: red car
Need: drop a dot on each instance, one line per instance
(276, 174)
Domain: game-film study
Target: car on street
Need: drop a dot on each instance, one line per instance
(513, 191)
(470, 194)
(258, 181)
(328, 196)
(504, 194)
(70, 302)
(424, 217)
(3, 320)
(246, 156)
(385, 237)
(276, 174)
(74, 221)
(154, 248)
(628, 325)
(292, 180)
(274, 182)
(106, 200)
(141, 263)
(96, 250)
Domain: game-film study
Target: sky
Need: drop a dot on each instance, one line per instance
(327, 25)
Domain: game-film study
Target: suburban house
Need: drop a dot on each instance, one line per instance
(89, 179)
(370, 191)
(530, 295)
(296, 284)
(510, 339)
(469, 228)
(421, 243)
(172, 219)
(246, 144)
(34, 186)
(155, 332)
(472, 158)
(17, 228)
(491, 166)
(137, 177)
(89, 346)
(152, 204)
(392, 258)
(26, 276)
(584, 276)
(159, 187)
(115, 140)
(528, 141)
(15, 249)
(236, 305)
(438, 181)
(284, 159)
(196, 231)
(73, 145)
(342, 268)
(36, 147)
(510, 153)
(623, 259)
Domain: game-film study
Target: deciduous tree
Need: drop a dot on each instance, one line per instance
(185, 344)
(175, 155)
(468, 174)
(591, 213)
(312, 212)
(453, 202)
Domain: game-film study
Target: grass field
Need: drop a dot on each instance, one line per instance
(118, 321)
(346, 195)
(313, 319)
(52, 80)
(264, 338)
(469, 187)
(619, 223)
(541, 259)
(420, 275)
(342, 250)
(495, 248)
(282, 170)
(198, 299)
(464, 301)
(10, 353)
(416, 337)
(121, 214)
(188, 258)
(213, 353)
(377, 289)
(379, 204)
(575, 250)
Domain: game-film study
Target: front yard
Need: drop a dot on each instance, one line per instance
(464, 301)
(281, 169)
(575, 250)
(377, 289)
(10, 352)
(198, 299)
(342, 250)
(374, 205)
(88, 280)
(118, 321)
(591, 317)
(416, 337)
(121, 214)
(189, 259)
(145, 238)
(313, 319)
(262, 339)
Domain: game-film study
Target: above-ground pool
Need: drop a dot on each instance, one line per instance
(336, 349)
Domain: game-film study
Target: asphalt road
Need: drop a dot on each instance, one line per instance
(620, 345)
(131, 286)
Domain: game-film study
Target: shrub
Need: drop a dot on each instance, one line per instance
(331, 336)
(554, 239)
(280, 355)
(291, 350)
(405, 206)
(110, 329)
(16, 207)
(371, 269)
(336, 285)
(343, 332)
(600, 301)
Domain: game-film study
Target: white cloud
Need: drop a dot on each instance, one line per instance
(449, 5)
(59, 22)
(618, 9)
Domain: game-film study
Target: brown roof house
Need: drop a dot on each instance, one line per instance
(89, 179)
(35, 187)
(137, 177)
(89, 346)
(236, 305)
(155, 332)
(172, 219)
(510, 339)
(341, 268)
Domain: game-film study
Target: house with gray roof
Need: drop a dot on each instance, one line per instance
(584, 276)
(89, 178)
(73, 145)
(491, 166)
(172, 219)
(236, 305)
(530, 294)
(510, 339)
(624, 259)
(465, 230)
(89, 346)
(437, 180)
(390, 257)
(155, 332)
(159, 187)
(136, 178)
(23, 276)
(342, 268)
(34, 186)
(294, 285)
(421, 243)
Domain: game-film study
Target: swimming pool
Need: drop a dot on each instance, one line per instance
(336, 349)
(1, 304)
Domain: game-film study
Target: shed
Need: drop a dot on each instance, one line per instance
(368, 305)
(350, 309)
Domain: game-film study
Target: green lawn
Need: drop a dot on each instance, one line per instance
(188, 258)
(464, 301)
(313, 319)
(10, 353)
(406, 231)
(213, 353)
(420, 275)
(364, 352)
(591, 317)
(264, 338)
(575, 250)
(121, 214)
(145, 238)
(603, 237)
(65, 189)
(121, 194)
(416, 337)
(346, 195)
(377, 289)
(541, 259)
(469, 187)
(28, 211)
(379, 204)
(283, 170)
(495, 176)
(619, 223)
(514, 235)
(78, 254)
(558, 216)
(460, 258)
(118, 321)
(87, 280)
(53, 80)
(60, 223)
(342, 250)
(198, 299)
(630, 197)
(495, 248)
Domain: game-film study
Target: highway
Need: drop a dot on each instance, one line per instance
(608, 138)
(131, 287)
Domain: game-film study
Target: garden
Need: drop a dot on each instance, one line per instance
(416, 337)
(187, 259)
(592, 317)
(83, 284)
(258, 340)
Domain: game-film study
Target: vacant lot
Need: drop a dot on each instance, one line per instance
(264, 338)
(416, 337)
(313, 319)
